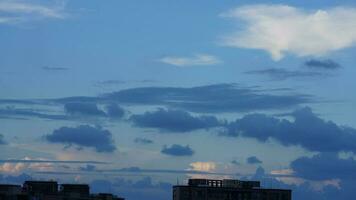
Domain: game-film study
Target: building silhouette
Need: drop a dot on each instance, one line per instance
(50, 190)
(227, 189)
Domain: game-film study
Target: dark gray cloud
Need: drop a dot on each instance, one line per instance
(235, 162)
(174, 121)
(74, 110)
(143, 141)
(2, 140)
(50, 68)
(322, 64)
(177, 150)
(282, 74)
(83, 136)
(88, 168)
(210, 98)
(325, 166)
(204, 99)
(20, 102)
(83, 108)
(307, 130)
(253, 160)
(114, 111)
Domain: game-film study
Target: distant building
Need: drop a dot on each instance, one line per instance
(11, 192)
(75, 190)
(227, 189)
(48, 190)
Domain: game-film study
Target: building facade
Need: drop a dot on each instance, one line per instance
(228, 189)
(50, 190)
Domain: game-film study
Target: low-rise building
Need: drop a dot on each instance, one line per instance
(228, 189)
(49, 190)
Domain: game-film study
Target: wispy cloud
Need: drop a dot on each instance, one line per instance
(281, 29)
(28, 160)
(196, 60)
(322, 64)
(12, 12)
(51, 68)
(283, 74)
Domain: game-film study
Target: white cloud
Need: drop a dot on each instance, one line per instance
(281, 29)
(12, 168)
(203, 166)
(12, 12)
(197, 59)
(19, 167)
(282, 172)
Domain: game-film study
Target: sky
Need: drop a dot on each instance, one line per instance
(133, 97)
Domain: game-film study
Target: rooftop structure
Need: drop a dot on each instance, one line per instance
(227, 189)
(48, 190)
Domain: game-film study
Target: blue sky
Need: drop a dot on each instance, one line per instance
(143, 94)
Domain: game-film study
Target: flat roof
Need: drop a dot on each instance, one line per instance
(231, 188)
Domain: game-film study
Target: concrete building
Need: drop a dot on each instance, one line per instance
(227, 189)
(75, 190)
(11, 192)
(48, 190)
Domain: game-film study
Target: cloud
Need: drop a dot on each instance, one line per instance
(12, 168)
(283, 74)
(12, 112)
(137, 170)
(177, 150)
(235, 162)
(2, 140)
(28, 160)
(173, 121)
(13, 12)
(307, 130)
(282, 29)
(109, 83)
(18, 179)
(218, 98)
(74, 110)
(85, 109)
(49, 68)
(143, 141)
(144, 188)
(325, 166)
(198, 59)
(204, 99)
(88, 168)
(322, 64)
(203, 166)
(114, 111)
(253, 160)
(17, 167)
(84, 136)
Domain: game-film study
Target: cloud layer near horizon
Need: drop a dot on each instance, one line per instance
(282, 29)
